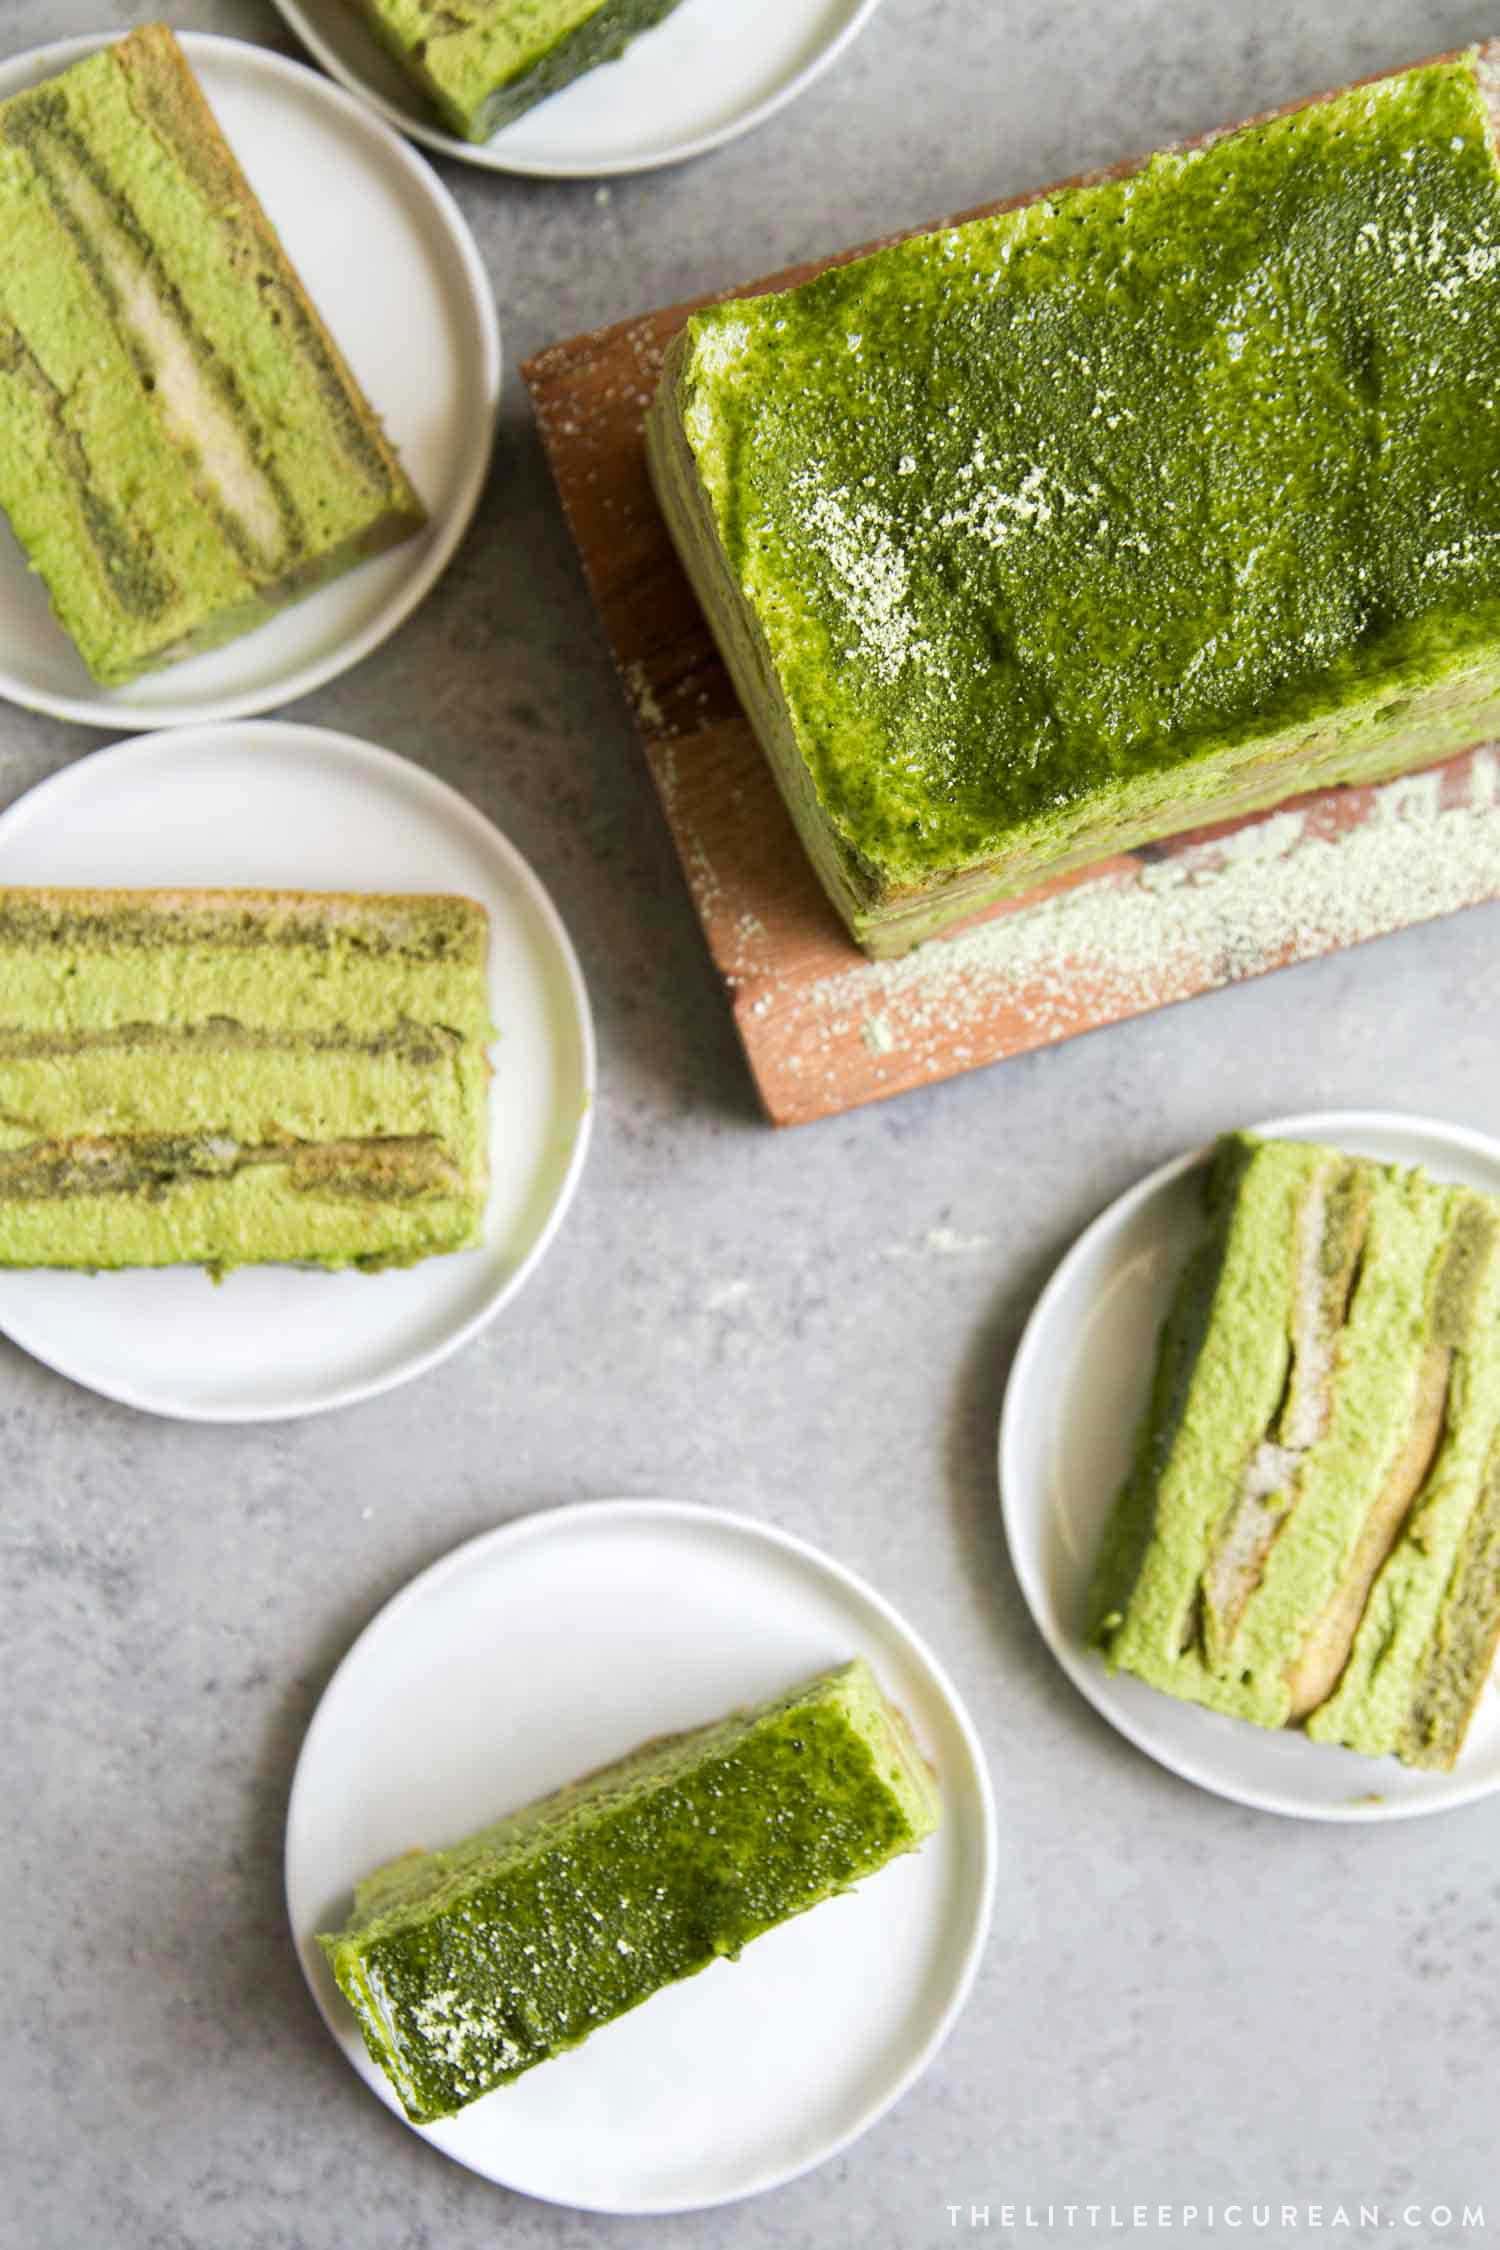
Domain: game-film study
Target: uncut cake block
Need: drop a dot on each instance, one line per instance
(467, 1967)
(233, 1077)
(1310, 1534)
(481, 63)
(183, 450)
(1146, 504)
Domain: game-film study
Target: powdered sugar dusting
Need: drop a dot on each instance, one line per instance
(871, 575)
(1279, 890)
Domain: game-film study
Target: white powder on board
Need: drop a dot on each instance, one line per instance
(1220, 910)
(648, 712)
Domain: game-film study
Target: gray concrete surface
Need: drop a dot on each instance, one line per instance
(1181, 2000)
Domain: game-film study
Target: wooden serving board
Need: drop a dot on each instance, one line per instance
(824, 1028)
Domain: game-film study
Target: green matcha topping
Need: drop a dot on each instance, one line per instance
(220, 1077)
(1154, 498)
(1308, 1532)
(467, 1967)
(182, 449)
(482, 63)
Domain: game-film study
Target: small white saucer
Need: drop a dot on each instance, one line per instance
(390, 264)
(713, 70)
(551, 1646)
(1076, 1392)
(298, 808)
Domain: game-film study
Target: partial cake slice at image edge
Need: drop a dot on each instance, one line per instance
(483, 66)
(1308, 1533)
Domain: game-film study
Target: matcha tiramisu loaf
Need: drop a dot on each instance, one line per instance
(468, 1966)
(482, 62)
(1148, 503)
(1310, 1534)
(183, 450)
(223, 1078)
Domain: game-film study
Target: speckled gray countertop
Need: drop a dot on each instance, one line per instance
(1181, 2000)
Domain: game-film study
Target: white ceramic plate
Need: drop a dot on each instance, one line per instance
(545, 1649)
(300, 808)
(388, 261)
(713, 70)
(1075, 1394)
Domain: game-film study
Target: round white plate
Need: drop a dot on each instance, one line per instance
(1076, 1392)
(551, 1646)
(388, 261)
(299, 808)
(713, 70)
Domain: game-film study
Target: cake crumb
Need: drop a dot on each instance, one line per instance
(643, 701)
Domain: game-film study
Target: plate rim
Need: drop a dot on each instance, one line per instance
(1092, 1679)
(375, 758)
(482, 153)
(562, 1520)
(443, 534)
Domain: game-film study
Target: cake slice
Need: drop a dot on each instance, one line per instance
(233, 1077)
(183, 449)
(1151, 502)
(467, 1967)
(481, 63)
(1310, 1531)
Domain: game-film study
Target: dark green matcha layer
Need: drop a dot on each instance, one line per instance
(1309, 1531)
(227, 1077)
(467, 1967)
(182, 447)
(1151, 502)
(483, 62)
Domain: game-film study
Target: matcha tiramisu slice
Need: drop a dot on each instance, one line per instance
(481, 63)
(183, 449)
(470, 1965)
(223, 1078)
(1310, 1532)
(1148, 503)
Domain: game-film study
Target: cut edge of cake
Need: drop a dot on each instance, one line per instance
(1309, 1530)
(97, 1169)
(188, 384)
